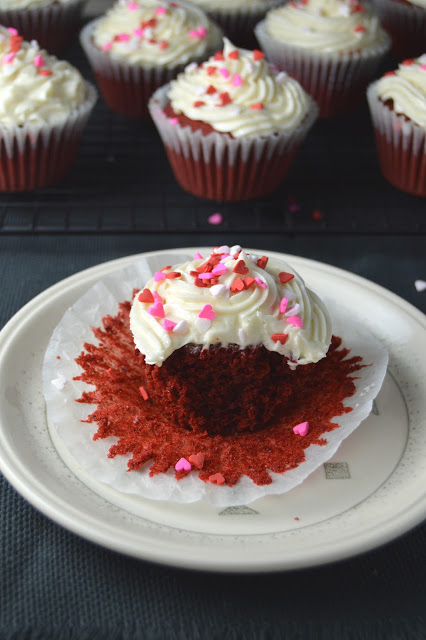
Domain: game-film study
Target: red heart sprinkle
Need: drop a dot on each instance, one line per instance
(280, 337)
(218, 56)
(217, 478)
(225, 99)
(258, 106)
(407, 62)
(237, 285)
(199, 103)
(234, 55)
(197, 459)
(211, 89)
(210, 70)
(248, 281)
(146, 296)
(173, 274)
(240, 267)
(258, 55)
(285, 277)
(262, 262)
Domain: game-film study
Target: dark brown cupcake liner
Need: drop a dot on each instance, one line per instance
(406, 24)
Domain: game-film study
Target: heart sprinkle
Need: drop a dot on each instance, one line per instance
(217, 478)
(207, 312)
(146, 296)
(301, 429)
(285, 277)
(295, 321)
(197, 459)
(157, 310)
(183, 465)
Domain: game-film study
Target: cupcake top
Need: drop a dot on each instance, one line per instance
(35, 88)
(230, 5)
(230, 297)
(155, 32)
(326, 26)
(29, 4)
(406, 88)
(237, 92)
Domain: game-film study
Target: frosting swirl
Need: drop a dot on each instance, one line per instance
(157, 33)
(243, 300)
(327, 26)
(236, 92)
(35, 88)
(406, 87)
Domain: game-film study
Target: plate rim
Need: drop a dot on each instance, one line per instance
(38, 498)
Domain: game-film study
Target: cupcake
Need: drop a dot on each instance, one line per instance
(221, 335)
(53, 23)
(238, 17)
(405, 21)
(231, 126)
(398, 110)
(333, 47)
(45, 106)
(138, 46)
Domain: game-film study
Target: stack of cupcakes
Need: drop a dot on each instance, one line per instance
(231, 126)
(138, 46)
(333, 48)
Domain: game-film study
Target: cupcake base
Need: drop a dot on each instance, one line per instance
(53, 26)
(218, 167)
(401, 147)
(33, 158)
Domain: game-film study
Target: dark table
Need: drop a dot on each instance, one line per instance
(120, 199)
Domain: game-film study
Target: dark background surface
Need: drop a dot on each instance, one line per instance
(120, 199)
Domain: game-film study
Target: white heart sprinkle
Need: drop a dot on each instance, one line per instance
(223, 249)
(181, 327)
(235, 249)
(420, 285)
(59, 382)
(218, 290)
(203, 324)
(293, 311)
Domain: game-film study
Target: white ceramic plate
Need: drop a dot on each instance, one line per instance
(373, 490)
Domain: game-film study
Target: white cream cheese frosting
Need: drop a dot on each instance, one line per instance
(406, 87)
(245, 300)
(155, 32)
(236, 92)
(35, 88)
(327, 26)
(29, 4)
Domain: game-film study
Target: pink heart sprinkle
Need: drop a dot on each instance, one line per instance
(159, 276)
(168, 325)
(38, 61)
(139, 32)
(205, 276)
(107, 46)
(423, 67)
(261, 283)
(295, 320)
(301, 429)
(157, 310)
(283, 305)
(123, 37)
(219, 269)
(173, 120)
(157, 297)
(207, 312)
(202, 32)
(198, 256)
(183, 465)
(215, 218)
(224, 72)
(161, 10)
(8, 58)
(237, 80)
(133, 6)
(193, 33)
(12, 31)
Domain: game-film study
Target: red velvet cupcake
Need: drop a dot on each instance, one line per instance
(40, 133)
(232, 126)
(398, 110)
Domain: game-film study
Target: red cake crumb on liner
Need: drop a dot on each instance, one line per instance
(73, 437)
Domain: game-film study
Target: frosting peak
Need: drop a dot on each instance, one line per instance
(230, 297)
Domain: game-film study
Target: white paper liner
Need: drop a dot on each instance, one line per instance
(183, 140)
(406, 23)
(156, 75)
(319, 72)
(65, 414)
(46, 22)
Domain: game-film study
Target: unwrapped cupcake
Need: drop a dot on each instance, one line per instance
(231, 126)
(138, 46)
(44, 106)
(405, 21)
(333, 47)
(53, 23)
(238, 17)
(398, 110)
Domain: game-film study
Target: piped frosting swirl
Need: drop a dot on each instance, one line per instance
(231, 297)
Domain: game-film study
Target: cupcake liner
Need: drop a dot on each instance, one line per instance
(127, 88)
(53, 26)
(218, 167)
(401, 146)
(406, 24)
(32, 157)
(336, 81)
(238, 24)
(88, 458)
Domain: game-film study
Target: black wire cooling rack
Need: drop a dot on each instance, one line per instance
(121, 183)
